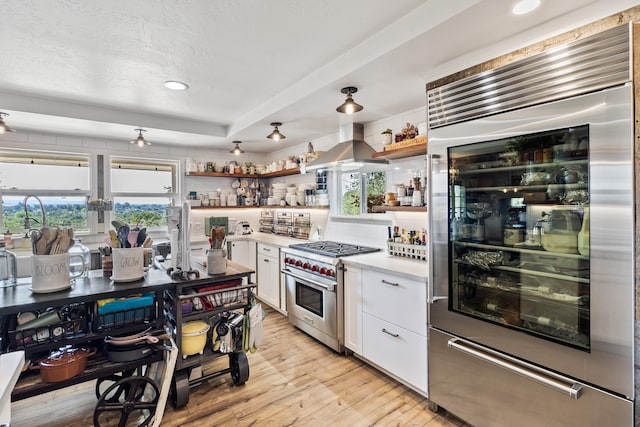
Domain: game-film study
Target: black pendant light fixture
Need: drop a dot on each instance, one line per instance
(349, 106)
(140, 141)
(3, 126)
(276, 135)
(237, 150)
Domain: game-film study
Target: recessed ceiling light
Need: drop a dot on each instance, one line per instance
(176, 85)
(525, 6)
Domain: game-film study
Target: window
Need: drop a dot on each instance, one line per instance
(359, 186)
(142, 191)
(57, 182)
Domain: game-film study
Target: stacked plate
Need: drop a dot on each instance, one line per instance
(279, 191)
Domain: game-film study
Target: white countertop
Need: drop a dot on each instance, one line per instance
(382, 261)
(410, 268)
(267, 238)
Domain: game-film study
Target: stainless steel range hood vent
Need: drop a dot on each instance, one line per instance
(350, 152)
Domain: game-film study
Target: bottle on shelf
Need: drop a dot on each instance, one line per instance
(8, 267)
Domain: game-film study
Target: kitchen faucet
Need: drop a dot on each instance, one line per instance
(27, 220)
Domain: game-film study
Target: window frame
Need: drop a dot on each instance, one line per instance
(335, 189)
(51, 157)
(173, 165)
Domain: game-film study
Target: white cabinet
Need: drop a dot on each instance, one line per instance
(243, 252)
(198, 249)
(353, 308)
(394, 326)
(268, 274)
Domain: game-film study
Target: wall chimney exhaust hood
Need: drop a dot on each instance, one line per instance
(351, 152)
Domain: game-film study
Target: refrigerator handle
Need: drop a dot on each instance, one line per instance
(559, 383)
(431, 158)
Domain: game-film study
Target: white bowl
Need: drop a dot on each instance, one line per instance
(279, 185)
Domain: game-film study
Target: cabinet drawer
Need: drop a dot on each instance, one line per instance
(400, 352)
(267, 250)
(398, 300)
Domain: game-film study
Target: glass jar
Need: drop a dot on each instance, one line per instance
(75, 266)
(8, 267)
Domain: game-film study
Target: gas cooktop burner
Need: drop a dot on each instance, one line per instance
(333, 249)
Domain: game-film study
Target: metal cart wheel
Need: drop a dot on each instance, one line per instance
(113, 404)
(102, 384)
(180, 389)
(239, 366)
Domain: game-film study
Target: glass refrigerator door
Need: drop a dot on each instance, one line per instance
(519, 233)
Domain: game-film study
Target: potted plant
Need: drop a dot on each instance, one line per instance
(387, 136)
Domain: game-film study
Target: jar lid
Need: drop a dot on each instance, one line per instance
(197, 327)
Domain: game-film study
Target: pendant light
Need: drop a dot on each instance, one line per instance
(140, 139)
(276, 135)
(3, 126)
(349, 106)
(237, 150)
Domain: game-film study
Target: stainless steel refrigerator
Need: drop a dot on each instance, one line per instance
(532, 228)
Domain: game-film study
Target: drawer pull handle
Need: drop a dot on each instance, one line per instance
(390, 333)
(265, 260)
(386, 282)
(562, 384)
(266, 249)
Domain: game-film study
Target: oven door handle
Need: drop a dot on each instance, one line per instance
(328, 287)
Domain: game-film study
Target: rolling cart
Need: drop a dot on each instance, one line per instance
(128, 390)
(206, 320)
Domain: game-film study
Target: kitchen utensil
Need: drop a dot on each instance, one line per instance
(220, 236)
(132, 238)
(146, 338)
(64, 364)
(142, 236)
(49, 235)
(213, 239)
(148, 242)
(128, 337)
(134, 347)
(114, 242)
(129, 352)
(35, 235)
(123, 235)
(63, 241)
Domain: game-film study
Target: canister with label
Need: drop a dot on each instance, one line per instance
(513, 234)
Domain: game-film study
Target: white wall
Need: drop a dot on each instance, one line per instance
(399, 171)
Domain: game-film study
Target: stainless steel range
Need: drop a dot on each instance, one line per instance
(313, 275)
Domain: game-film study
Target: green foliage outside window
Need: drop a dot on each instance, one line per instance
(375, 183)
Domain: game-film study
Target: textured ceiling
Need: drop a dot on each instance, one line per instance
(96, 68)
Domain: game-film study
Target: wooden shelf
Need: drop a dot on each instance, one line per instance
(399, 208)
(285, 172)
(399, 153)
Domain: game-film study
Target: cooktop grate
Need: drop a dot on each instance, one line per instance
(333, 249)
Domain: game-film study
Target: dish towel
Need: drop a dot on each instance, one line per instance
(256, 334)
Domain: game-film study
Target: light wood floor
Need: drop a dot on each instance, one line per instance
(294, 381)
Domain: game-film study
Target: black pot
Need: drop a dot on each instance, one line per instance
(129, 352)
